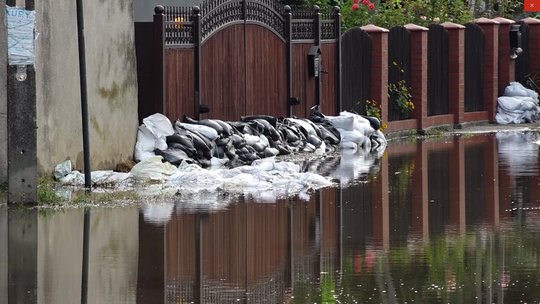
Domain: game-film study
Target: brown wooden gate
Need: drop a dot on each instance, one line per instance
(243, 57)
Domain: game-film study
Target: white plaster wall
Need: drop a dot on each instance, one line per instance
(112, 83)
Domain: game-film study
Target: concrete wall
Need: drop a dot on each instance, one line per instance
(60, 250)
(144, 9)
(112, 83)
(113, 255)
(113, 258)
(3, 98)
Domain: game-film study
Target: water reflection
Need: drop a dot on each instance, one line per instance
(447, 220)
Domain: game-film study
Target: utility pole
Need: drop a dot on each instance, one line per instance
(21, 104)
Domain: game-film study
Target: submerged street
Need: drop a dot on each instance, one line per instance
(445, 219)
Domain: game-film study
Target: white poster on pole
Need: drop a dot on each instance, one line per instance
(20, 29)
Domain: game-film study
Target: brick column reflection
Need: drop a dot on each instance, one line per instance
(380, 197)
(491, 181)
(420, 202)
(457, 185)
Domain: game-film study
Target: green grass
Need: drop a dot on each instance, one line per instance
(46, 192)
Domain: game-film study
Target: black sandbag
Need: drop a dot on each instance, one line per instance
(223, 141)
(314, 140)
(237, 140)
(269, 129)
(271, 119)
(289, 135)
(298, 128)
(329, 137)
(314, 126)
(205, 122)
(269, 152)
(227, 129)
(200, 142)
(190, 151)
(174, 156)
(255, 124)
(283, 149)
(374, 122)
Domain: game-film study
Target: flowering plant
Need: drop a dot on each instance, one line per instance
(401, 92)
(374, 110)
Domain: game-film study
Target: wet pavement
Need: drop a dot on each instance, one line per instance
(441, 219)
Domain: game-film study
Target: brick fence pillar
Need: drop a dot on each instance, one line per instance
(534, 43)
(419, 72)
(456, 70)
(491, 65)
(507, 66)
(379, 67)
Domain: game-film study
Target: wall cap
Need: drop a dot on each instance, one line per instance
(370, 28)
(413, 27)
(452, 26)
(504, 20)
(530, 20)
(486, 21)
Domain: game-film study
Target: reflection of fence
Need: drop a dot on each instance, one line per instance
(422, 189)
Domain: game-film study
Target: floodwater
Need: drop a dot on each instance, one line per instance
(444, 220)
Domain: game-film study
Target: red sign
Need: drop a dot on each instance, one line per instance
(532, 6)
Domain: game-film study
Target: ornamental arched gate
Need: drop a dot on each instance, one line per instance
(243, 57)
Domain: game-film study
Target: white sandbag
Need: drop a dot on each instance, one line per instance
(349, 145)
(153, 169)
(108, 178)
(62, 169)
(145, 146)
(209, 133)
(342, 122)
(75, 178)
(352, 136)
(251, 139)
(516, 110)
(193, 182)
(517, 89)
(159, 125)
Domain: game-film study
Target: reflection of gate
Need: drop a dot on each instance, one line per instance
(242, 57)
(357, 72)
(474, 68)
(437, 70)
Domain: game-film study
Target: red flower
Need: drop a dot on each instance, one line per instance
(356, 1)
(355, 7)
(371, 6)
(366, 2)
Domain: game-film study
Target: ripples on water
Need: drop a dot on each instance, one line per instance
(448, 220)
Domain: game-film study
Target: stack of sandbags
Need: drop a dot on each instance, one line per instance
(518, 105)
